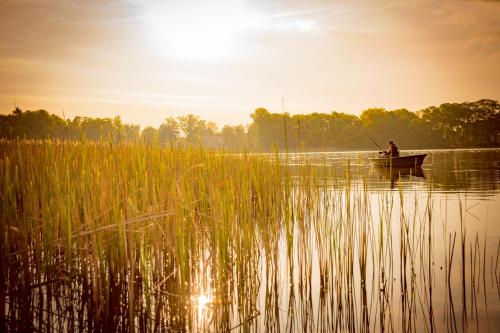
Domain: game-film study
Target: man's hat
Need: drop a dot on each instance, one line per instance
(391, 142)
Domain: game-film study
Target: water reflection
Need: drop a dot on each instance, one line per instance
(399, 174)
(203, 315)
(452, 171)
(343, 253)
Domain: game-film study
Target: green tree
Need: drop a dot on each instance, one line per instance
(193, 128)
(169, 131)
(149, 135)
(233, 137)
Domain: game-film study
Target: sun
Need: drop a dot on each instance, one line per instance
(197, 30)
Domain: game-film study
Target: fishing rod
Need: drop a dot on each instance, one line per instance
(369, 137)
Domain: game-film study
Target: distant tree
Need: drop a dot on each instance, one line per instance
(268, 130)
(261, 129)
(469, 124)
(169, 131)
(315, 131)
(31, 125)
(131, 132)
(193, 128)
(118, 130)
(475, 124)
(347, 132)
(402, 126)
(96, 129)
(209, 136)
(482, 125)
(149, 135)
(233, 137)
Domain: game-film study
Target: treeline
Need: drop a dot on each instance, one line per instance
(450, 125)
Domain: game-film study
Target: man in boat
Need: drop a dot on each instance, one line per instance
(393, 150)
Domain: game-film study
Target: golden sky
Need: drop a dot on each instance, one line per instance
(220, 59)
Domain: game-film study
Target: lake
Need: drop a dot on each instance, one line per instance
(419, 249)
(98, 237)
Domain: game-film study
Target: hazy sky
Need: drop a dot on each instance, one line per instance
(220, 59)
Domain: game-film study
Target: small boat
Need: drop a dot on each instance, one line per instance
(410, 161)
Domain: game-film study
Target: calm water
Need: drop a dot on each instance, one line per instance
(474, 172)
(431, 265)
(355, 248)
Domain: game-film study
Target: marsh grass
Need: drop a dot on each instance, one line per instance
(102, 237)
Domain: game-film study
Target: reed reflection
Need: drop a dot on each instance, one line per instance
(238, 243)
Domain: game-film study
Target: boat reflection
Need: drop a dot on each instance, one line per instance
(394, 174)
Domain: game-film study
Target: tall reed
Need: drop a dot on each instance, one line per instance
(120, 237)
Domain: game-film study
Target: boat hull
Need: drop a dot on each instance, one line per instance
(410, 161)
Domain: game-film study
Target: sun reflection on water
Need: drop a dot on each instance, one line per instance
(202, 303)
(203, 300)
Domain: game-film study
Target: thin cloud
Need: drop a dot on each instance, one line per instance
(99, 56)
